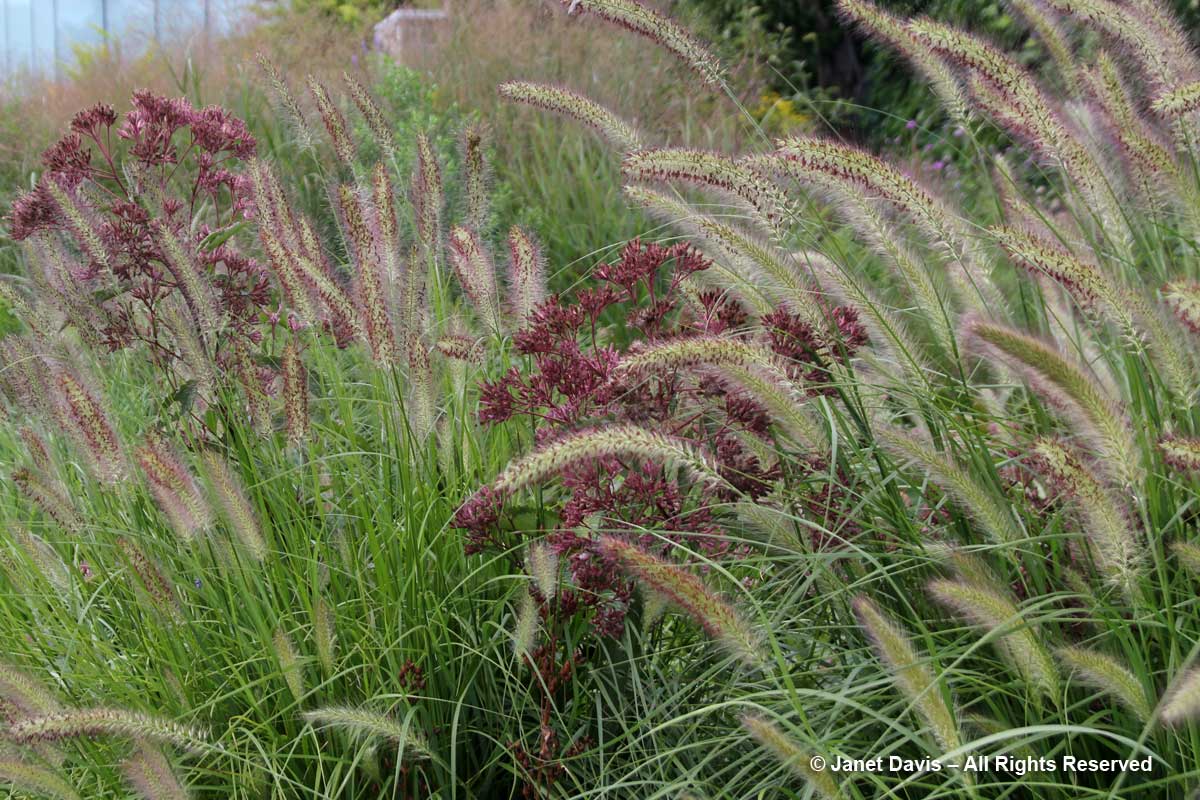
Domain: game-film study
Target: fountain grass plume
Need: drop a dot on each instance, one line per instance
(1108, 674)
(295, 393)
(909, 672)
(25, 776)
(377, 121)
(791, 755)
(979, 500)
(173, 487)
(364, 247)
(476, 274)
(229, 495)
(629, 441)
(891, 30)
(752, 367)
(1180, 453)
(1059, 381)
(335, 123)
(1105, 520)
(641, 19)
(49, 495)
(1184, 299)
(1020, 642)
(718, 618)
(526, 273)
(150, 774)
(1181, 703)
(105, 722)
(713, 171)
(370, 724)
(571, 104)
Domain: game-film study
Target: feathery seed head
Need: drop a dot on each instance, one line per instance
(230, 496)
(542, 565)
(1182, 701)
(914, 679)
(80, 410)
(1184, 299)
(25, 776)
(476, 174)
(791, 755)
(526, 273)
(368, 269)
(285, 98)
(717, 617)
(150, 774)
(173, 487)
(619, 133)
(372, 724)
(709, 170)
(157, 588)
(295, 393)
(427, 193)
(1107, 524)
(49, 495)
(993, 611)
(1182, 454)
(289, 663)
(26, 693)
(376, 122)
(96, 722)
(618, 440)
(641, 19)
(1106, 673)
(335, 123)
(476, 273)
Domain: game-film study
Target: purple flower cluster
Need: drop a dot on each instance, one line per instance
(148, 206)
(572, 381)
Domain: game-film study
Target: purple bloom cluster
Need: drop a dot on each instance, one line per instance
(148, 205)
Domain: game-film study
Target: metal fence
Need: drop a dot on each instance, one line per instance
(42, 36)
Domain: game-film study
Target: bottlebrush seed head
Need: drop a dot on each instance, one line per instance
(891, 30)
(230, 496)
(428, 196)
(1182, 701)
(49, 495)
(1106, 522)
(526, 273)
(628, 441)
(377, 123)
(195, 286)
(25, 692)
(476, 273)
(289, 663)
(712, 171)
(25, 776)
(285, 98)
(364, 246)
(79, 219)
(173, 487)
(1106, 673)
(385, 221)
(718, 618)
(791, 755)
(335, 123)
(542, 565)
(907, 669)
(150, 774)
(993, 611)
(81, 412)
(571, 104)
(640, 19)
(97, 722)
(1066, 388)
(295, 393)
(372, 724)
(1184, 299)
(1181, 453)
(476, 174)
(158, 589)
